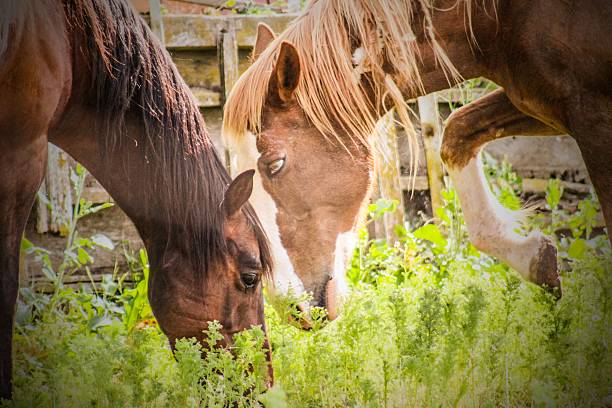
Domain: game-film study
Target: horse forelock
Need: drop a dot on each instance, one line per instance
(338, 41)
(133, 76)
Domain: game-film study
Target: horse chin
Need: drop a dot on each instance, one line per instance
(336, 294)
(332, 299)
(303, 321)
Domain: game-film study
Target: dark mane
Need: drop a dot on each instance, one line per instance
(133, 77)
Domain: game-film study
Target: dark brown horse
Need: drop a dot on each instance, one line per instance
(305, 110)
(88, 76)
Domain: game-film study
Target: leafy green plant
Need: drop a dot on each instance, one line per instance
(135, 300)
(504, 183)
(430, 322)
(76, 255)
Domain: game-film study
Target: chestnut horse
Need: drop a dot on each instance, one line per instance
(90, 77)
(306, 108)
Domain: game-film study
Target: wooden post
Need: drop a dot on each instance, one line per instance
(23, 270)
(59, 190)
(430, 130)
(54, 205)
(227, 50)
(157, 23)
(42, 211)
(388, 175)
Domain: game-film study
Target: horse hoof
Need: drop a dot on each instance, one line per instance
(544, 268)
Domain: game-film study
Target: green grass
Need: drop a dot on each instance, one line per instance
(430, 322)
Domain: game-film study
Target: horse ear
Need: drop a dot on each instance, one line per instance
(265, 36)
(286, 73)
(238, 193)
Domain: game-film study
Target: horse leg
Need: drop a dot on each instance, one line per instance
(22, 166)
(592, 129)
(600, 172)
(491, 227)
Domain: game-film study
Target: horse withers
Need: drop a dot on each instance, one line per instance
(306, 110)
(89, 76)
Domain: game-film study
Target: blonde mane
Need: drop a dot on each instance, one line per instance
(338, 42)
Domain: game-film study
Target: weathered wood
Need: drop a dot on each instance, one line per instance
(420, 183)
(94, 192)
(42, 212)
(206, 98)
(294, 6)
(227, 51)
(157, 22)
(58, 191)
(457, 95)
(537, 185)
(201, 68)
(431, 134)
(111, 222)
(227, 48)
(237, 4)
(23, 272)
(192, 41)
(388, 175)
(211, 3)
(200, 32)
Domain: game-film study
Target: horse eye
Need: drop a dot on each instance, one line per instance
(249, 279)
(276, 166)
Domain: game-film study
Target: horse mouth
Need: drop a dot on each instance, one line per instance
(300, 316)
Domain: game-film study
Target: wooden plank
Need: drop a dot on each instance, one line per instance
(431, 134)
(211, 3)
(227, 54)
(420, 183)
(188, 35)
(42, 284)
(157, 22)
(206, 98)
(537, 185)
(200, 32)
(96, 194)
(59, 191)
(388, 176)
(294, 6)
(200, 70)
(459, 95)
(227, 48)
(237, 5)
(42, 212)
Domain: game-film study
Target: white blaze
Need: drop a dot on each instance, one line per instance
(337, 289)
(285, 279)
(345, 244)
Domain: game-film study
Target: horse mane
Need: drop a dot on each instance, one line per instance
(330, 91)
(133, 77)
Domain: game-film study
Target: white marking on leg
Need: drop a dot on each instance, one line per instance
(285, 281)
(491, 226)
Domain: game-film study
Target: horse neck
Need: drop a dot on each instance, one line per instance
(471, 56)
(127, 170)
